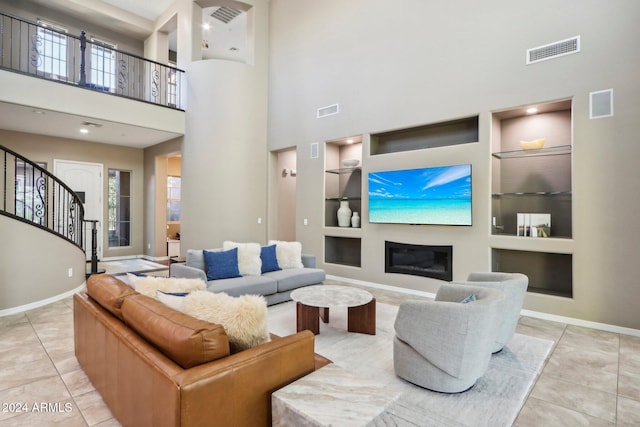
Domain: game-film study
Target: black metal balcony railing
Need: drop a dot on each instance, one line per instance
(50, 53)
(33, 195)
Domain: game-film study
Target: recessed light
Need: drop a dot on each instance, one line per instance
(83, 130)
(38, 112)
(206, 26)
(532, 110)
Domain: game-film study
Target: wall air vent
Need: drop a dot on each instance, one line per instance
(553, 50)
(225, 14)
(328, 110)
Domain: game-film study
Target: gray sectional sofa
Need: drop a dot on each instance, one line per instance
(275, 286)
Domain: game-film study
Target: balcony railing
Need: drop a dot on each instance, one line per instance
(47, 52)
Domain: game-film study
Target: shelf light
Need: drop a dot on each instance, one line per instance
(532, 110)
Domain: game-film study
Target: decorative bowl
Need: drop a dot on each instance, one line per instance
(350, 163)
(532, 145)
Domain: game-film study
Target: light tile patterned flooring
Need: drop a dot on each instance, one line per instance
(592, 378)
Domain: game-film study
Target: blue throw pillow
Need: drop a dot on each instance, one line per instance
(221, 265)
(175, 294)
(269, 259)
(468, 299)
(171, 299)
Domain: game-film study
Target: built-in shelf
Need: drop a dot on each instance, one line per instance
(337, 199)
(498, 232)
(344, 170)
(536, 193)
(549, 273)
(443, 134)
(342, 251)
(545, 151)
(534, 181)
(342, 244)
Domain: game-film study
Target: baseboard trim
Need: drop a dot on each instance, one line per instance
(581, 322)
(37, 304)
(529, 313)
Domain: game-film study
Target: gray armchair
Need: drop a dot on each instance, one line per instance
(514, 286)
(445, 345)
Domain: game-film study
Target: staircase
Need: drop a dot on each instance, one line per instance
(42, 255)
(33, 195)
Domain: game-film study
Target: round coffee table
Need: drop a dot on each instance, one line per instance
(361, 306)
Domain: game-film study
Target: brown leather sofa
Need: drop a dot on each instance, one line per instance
(155, 366)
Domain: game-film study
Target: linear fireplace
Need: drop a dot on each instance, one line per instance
(419, 260)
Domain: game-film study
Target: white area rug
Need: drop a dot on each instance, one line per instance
(494, 401)
(133, 265)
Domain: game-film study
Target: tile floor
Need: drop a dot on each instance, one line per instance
(592, 378)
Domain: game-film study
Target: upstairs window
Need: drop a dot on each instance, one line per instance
(49, 52)
(103, 65)
(172, 85)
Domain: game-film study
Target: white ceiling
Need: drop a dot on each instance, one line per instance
(134, 18)
(43, 122)
(150, 9)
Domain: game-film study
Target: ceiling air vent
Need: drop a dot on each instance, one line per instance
(553, 50)
(328, 110)
(225, 14)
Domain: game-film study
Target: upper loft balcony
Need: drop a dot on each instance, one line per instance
(44, 51)
(43, 67)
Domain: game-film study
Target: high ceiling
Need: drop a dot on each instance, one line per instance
(136, 19)
(145, 8)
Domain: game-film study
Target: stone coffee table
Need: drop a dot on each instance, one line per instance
(314, 302)
(332, 396)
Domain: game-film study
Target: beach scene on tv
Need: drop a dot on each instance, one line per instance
(435, 195)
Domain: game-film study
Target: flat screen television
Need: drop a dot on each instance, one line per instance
(434, 195)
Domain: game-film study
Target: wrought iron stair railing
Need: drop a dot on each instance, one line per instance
(44, 51)
(33, 195)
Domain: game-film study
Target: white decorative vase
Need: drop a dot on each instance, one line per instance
(344, 214)
(355, 220)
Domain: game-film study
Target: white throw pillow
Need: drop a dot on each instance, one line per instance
(249, 262)
(148, 285)
(244, 318)
(289, 254)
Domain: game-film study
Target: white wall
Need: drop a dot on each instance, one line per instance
(423, 62)
(34, 265)
(285, 197)
(155, 196)
(224, 162)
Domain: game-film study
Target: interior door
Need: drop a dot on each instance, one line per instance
(86, 180)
